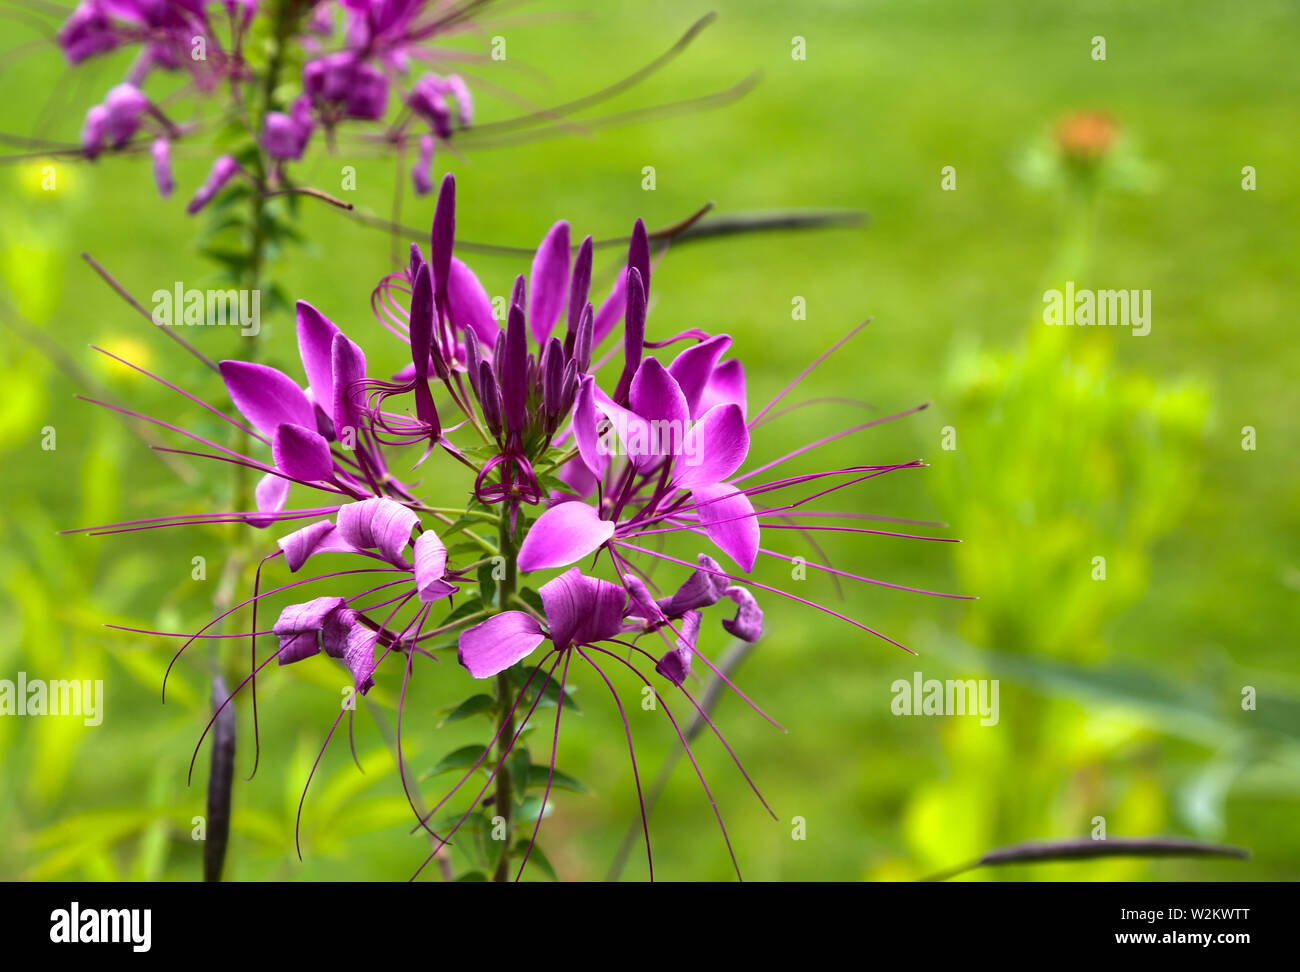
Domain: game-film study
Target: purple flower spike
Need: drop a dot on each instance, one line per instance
(549, 281)
(380, 524)
(581, 610)
(492, 646)
(223, 170)
(747, 625)
(441, 238)
(633, 333)
(162, 166)
(638, 255)
(563, 535)
(579, 288)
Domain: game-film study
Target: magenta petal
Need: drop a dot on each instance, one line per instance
(585, 428)
(348, 368)
(694, 367)
(702, 589)
(676, 664)
(494, 645)
(714, 449)
(469, 304)
(562, 535)
(359, 656)
(302, 453)
(298, 625)
(726, 384)
(747, 625)
(315, 338)
(578, 478)
(548, 281)
(271, 493)
(430, 565)
(729, 520)
(581, 609)
(266, 397)
(336, 630)
(380, 524)
(656, 396)
(301, 544)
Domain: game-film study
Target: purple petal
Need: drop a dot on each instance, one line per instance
(676, 664)
(726, 384)
(162, 166)
(747, 625)
(469, 304)
(575, 475)
(301, 544)
(348, 368)
(359, 656)
(334, 633)
(271, 493)
(562, 535)
(315, 339)
(266, 397)
(714, 449)
(549, 281)
(585, 429)
(494, 645)
(442, 235)
(430, 566)
(581, 609)
(302, 453)
(694, 367)
(656, 396)
(702, 589)
(380, 524)
(729, 520)
(298, 625)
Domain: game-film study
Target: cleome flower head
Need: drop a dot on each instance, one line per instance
(571, 459)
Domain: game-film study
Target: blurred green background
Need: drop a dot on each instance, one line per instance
(1120, 698)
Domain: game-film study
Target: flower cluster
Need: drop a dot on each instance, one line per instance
(573, 459)
(348, 75)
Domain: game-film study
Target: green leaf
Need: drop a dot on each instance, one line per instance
(472, 876)
(535, 856)
(537, 774)
(533, 600)
(519, 761)
(471, 606)
(487, 585)
(458, 759)
(474, 705)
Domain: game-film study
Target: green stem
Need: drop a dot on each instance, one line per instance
(504, 801)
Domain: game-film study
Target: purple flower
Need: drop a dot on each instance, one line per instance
(222, 171)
